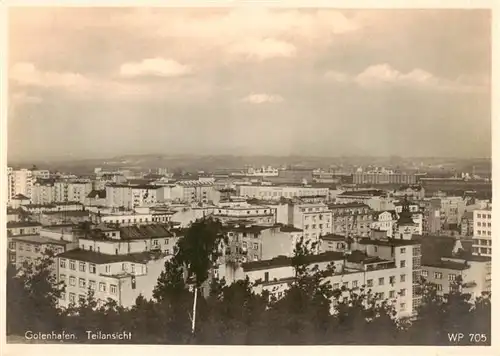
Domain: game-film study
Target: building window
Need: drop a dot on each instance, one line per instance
(132, 266)
(72, 281)
(425, 273)
(92, 284)
(82, 266)
(438, 275)
(81, 298)
(369, 283)
(92, 268)
(62, 277)
(255, 246)
(403, 278)
(381, 281)
(402, 264)
(392, 294)
(63, 296)
(403, 250)
(108, 268)
(113, 289)
(452, 277)
(336, 286)
(402, 306)
(82, 283)
(72, 298)
(392, 279)
(62, 263)
(102, 287)
(355, 284)
(72, 265)
(439, 287)
(403, 292)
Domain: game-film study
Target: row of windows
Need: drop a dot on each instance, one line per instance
(483, 232)
(82, 283)
(439, 275)
(485, 242)
(82, 266)
(484, 216)
(255, 245)
(313, 226)
(380, 295)
(483, 224)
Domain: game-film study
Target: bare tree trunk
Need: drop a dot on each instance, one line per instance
(193, 321)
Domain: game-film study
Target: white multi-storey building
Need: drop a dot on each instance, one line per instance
(388, 268)
(131, 196)
(314, 219)
(482, 241)
(19, 181)
(276, 192)
(120, 264)
(256, 214)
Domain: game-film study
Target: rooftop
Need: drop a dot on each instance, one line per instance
(347, 205)
(288, 228)
(14, 224)
(283, 261)
(37, 239)
(97, 194)
(388, 242)
(459, 266)
(100, 258)
(20, 197)
(367, 192)
(333, 237)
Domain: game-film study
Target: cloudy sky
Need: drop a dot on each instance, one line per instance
(101, 82)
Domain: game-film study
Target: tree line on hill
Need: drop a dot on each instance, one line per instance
(235, 315)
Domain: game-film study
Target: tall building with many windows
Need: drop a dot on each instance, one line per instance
(482, 241)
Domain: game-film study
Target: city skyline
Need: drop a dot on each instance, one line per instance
(254, 81)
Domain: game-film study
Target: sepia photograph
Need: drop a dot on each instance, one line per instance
(248, 175)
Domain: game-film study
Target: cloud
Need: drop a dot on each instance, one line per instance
(154, 67)
(23, 98)
(28, 75)
(263, 49)
(383, 75)
(262, 98)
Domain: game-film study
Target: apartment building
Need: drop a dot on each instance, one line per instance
(467, 224)
(314, 219)
(255, 214)
(432, 216)
(453, 208)
(29, 248)
(358, 196)
(384, 177)
(406, 256)
(53, 207)
(351, 219)
(482, 240)
(255, 243)
(129, 218)
(388, 272)
(415, 214)
(18, 228)
(43, 191)
(120, 264)
(71, 190)
(19, 181)
(333, 242)
(131, 196)
(277, 192)
(385, 221)
(191, 191)
(445, 258)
